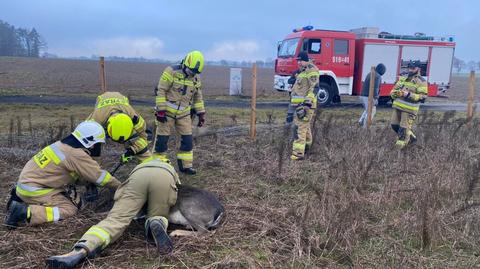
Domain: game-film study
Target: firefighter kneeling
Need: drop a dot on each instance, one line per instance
(122, 124)
(40, 194)
(153, 182)
(407, 94)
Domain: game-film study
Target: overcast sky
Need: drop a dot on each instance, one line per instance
(232, 30)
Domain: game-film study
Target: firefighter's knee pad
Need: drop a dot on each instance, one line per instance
(395, 127)
(187, 143)
(402, 133)
(295, 132)
(161, 145)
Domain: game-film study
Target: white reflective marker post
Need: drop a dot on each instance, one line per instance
(235, 81)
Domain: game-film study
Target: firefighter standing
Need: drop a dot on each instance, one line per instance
(40, 194)
(122, 124)
(407, 94)
(304, 102)
(178, 89)
(153, 182)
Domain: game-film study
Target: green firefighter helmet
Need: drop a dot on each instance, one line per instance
(194, 61)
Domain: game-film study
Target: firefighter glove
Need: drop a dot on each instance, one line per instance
(422, 99)
(127, 156)
(91, 195)
(161, 116)
(201, 119)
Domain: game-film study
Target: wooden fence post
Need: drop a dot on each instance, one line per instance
(471, 97)
(253, 116)
(103, 81)
(370, 97)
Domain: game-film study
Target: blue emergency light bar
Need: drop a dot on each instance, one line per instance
(304, 28)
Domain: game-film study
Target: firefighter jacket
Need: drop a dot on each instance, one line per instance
(59, 165)
(177, 93)
(302, 90)
(111, 103)
(417, 90)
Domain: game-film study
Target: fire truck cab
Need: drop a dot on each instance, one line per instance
(344, 59)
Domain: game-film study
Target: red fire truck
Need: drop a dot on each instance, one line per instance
(345, 57)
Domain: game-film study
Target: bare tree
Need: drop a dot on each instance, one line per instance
(20, 41)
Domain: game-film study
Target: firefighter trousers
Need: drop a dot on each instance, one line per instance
(51, 207)
(183, 126)
(151, 185)
(302, 133)
(402, 122)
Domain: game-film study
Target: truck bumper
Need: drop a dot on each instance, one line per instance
(280, 83)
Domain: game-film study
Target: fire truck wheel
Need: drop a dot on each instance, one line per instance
(324, 93)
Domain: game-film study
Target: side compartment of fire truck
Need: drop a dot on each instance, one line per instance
(435, 58)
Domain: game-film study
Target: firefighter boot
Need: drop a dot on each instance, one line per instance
(69, 260)
(17, 212)
(401, 141)
(188, 170)
(296, 158)
(156, 229)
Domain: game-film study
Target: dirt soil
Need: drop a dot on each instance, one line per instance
(66, 77)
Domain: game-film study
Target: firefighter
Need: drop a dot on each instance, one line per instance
(154, 183)
(122, 124)
(178, 89)
(408, 92)
(40, 194)
(304, 102)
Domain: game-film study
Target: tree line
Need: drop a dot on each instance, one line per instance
(20, 41)
(459, 65)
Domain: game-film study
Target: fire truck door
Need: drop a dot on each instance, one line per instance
(340, 58)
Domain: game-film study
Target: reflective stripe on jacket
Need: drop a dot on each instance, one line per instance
(177, 93)
(59, 165)
(302, 90)
(416, 86)
(111, 103)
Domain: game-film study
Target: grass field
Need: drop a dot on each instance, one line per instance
(355, 202)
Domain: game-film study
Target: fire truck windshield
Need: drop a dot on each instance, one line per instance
(288, 47)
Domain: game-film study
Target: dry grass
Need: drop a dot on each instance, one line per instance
(356, 201)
